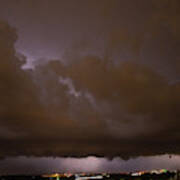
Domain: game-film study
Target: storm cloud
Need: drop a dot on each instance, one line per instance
(91, 103)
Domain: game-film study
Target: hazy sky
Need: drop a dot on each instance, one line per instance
(93, 164)
(101, 79)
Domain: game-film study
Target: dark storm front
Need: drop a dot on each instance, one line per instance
(89, 86)
(152, 175)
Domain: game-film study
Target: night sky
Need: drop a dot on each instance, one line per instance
(86, 81)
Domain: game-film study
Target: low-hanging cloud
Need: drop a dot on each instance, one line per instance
(92, 105)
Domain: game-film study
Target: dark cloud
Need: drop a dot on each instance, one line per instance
(89, 106)
(114, 92)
